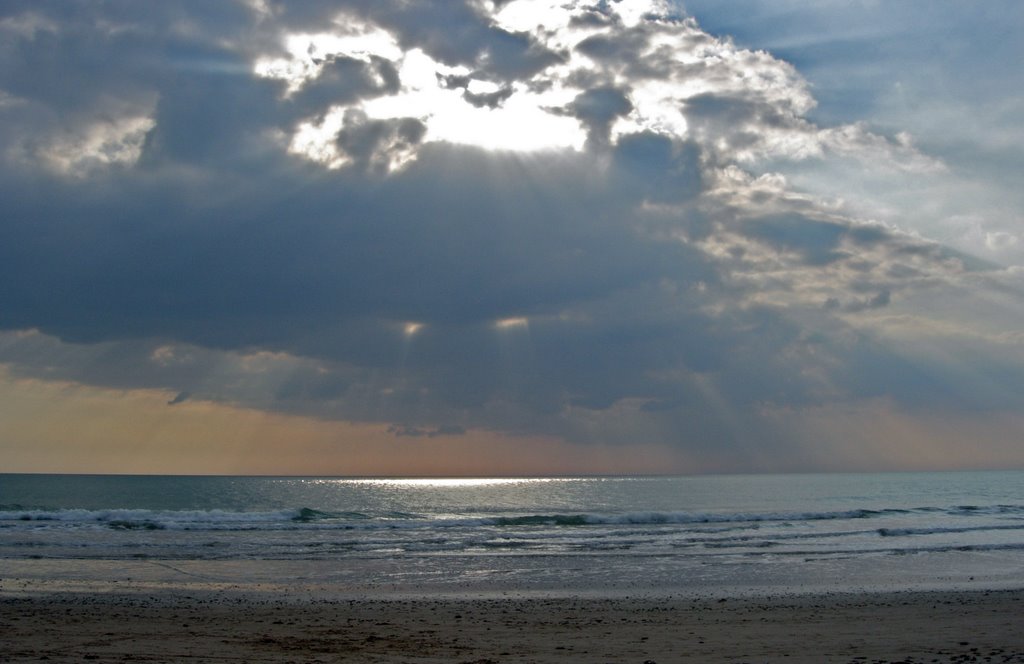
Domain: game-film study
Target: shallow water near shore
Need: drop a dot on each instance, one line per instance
(615, 534)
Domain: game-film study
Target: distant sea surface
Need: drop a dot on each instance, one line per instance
(628, 533)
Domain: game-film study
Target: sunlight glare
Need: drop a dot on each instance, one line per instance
(514, 323)
(448, 482)
(521, 123)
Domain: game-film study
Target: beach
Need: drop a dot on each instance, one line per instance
(263, 627)
(122, 622)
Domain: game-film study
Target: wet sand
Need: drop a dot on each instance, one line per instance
(232, 624)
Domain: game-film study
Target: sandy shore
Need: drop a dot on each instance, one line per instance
(247, 625)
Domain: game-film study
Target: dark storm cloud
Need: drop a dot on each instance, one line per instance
(336, 247)
(180, 397)
(488, 99)
(644, 286)
(378, 145)
(597, 108)
(343, 80)
(658, 169)
(817, 242)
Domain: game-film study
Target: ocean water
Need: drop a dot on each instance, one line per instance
(842, 531)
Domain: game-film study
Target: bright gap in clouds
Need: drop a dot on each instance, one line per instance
(518, 123)
(552, 108)
(453, 105)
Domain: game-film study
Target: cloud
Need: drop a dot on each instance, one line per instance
(417, 432)
(180, 397)
(381, 146)
(1000, 240)
(541, 219)
(874, 64)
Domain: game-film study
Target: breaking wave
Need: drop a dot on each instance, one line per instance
(312, 518)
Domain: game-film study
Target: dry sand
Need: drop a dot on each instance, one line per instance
(196, 624)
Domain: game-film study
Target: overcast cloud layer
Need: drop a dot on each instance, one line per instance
(594, 221)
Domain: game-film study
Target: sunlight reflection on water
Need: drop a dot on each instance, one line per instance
(451, 482)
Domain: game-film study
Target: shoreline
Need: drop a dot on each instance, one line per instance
(67, 620)
(526, 576)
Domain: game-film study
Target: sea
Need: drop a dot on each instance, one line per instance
(704, 534)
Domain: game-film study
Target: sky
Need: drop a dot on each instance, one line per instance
(483, 237)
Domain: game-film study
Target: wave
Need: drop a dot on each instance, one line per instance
(137, 519)
(907, 532)
(310, 515)
(313, 518)
(657, 518)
